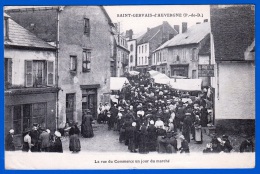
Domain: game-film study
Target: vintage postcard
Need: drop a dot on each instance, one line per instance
(129, 87)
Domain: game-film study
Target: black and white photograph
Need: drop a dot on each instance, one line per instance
(129, 87)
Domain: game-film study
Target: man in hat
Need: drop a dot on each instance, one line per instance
(225, 144)
(35, 138)
(187, 126)
(44, 141)
(9, 141)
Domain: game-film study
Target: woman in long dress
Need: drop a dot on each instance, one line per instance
(86, 127)
(74, 144)
(198, 131)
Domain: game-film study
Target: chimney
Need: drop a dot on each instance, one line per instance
(184, 27)
(177, 28)
(171, 36)
(130, 33)
(148, 29)
(197, 22)
(206, 20)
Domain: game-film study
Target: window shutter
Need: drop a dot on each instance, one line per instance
(10, 65)
(50, 73)
(28, 73)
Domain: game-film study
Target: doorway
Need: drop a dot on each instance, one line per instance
(89, 101)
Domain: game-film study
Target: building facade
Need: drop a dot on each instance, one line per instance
(82, 35)
(233, 49)
(122, 55)
(178, 57)
(151, 40)
(30, 85)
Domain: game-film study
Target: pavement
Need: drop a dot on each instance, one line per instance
(108, 141)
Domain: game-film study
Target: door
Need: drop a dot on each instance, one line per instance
(89, 101)
(70, 100)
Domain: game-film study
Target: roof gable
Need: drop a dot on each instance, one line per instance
(193, 35)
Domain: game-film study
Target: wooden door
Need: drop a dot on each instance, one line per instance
(70, 100)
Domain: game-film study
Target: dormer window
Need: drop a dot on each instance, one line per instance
(6, 28)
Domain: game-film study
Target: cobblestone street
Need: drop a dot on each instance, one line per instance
(108, 141)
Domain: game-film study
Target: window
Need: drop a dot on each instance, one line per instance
(73, 63)
(139, 48)
(194, 56)
(86, 27)
(131, 58)
(131, 47)
(142, 48)
(163, 70)
(39, 73)
(194, 74)
(8, 71)
(145, 59)
(86, 61)
(145, 48)
(6, 28)
(39, 113)
(142, 60)
(177, 58)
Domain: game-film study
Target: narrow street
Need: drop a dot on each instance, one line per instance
(108, 141)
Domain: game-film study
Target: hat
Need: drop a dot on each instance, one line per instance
(108, 113)
(121, 109)
(11, 131)
(151, 122)
(57, 134)
(182, 137)
(48, 130)
(27, 130)
(187, 114)
(134, 124)
(88, 111)
(224, 136)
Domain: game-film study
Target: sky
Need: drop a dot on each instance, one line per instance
(127, 15)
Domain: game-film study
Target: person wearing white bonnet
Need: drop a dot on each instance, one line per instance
(48, 131)
(57, 134)
(132, 133)
(151, 122)
(9, 142)
(57, 144)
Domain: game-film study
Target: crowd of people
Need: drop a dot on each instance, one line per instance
(148, 116)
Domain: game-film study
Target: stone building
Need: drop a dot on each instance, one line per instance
(30, 85)
(152, 39)
(82, 36)
(178, 57)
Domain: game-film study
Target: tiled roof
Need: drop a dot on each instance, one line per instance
(233, 29)
(19, 36)
(153, 31)
(205, 48)
(193, 35)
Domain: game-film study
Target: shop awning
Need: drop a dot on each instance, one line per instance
(133, 73)
(161, 79)
(117, 83)
(186, 84)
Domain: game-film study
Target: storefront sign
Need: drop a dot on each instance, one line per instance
(206, 70)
